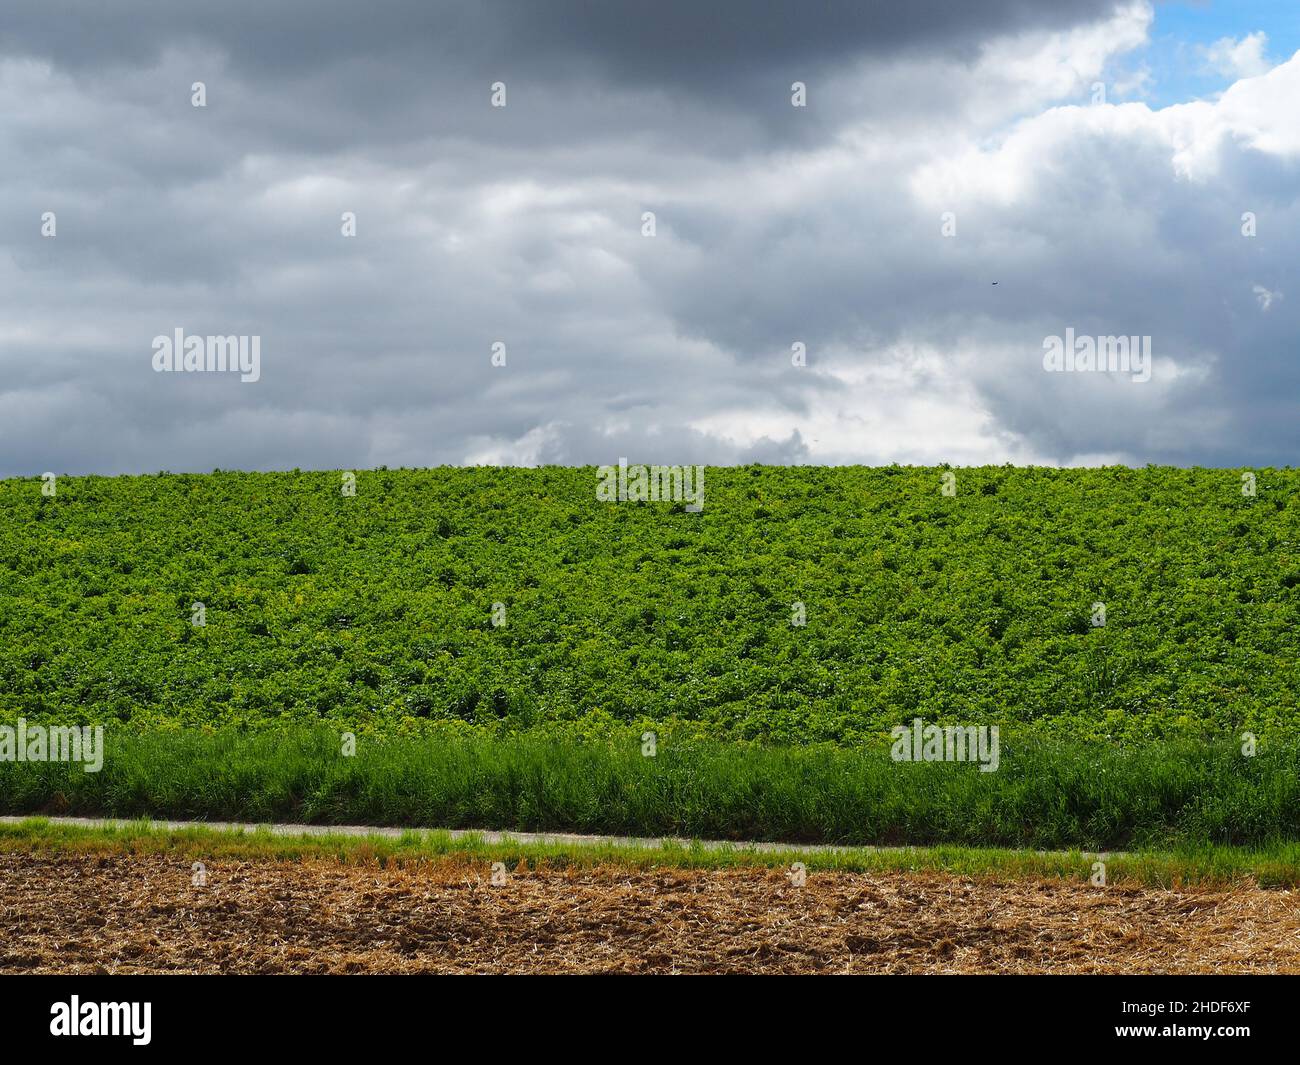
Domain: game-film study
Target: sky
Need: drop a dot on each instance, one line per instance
(650, 250)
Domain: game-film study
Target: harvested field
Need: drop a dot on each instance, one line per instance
(130, 913)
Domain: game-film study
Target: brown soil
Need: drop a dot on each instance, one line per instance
(122, 912)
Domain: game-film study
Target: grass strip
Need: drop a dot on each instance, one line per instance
(1274, 867)
(1045, 794)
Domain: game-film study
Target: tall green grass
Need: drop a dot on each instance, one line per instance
(1044, 794)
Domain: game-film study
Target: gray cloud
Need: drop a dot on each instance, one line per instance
(523, 225)
(661, 42)
(310, 76)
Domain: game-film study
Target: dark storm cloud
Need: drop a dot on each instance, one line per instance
(326, 76)
(669, 43)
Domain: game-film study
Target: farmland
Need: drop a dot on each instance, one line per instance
(125, 901)
(521, 638)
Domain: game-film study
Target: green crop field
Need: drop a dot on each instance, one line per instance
(789, 625)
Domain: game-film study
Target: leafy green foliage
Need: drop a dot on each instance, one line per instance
(373, 613)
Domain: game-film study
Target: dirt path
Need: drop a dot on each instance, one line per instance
(122, 912)
(486, 835)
